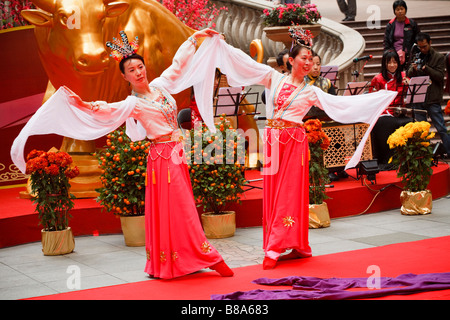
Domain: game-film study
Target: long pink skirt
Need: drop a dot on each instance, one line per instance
(175, 242)
(286, 194)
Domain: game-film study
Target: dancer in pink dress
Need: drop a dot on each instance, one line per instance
(175, 242)
(286, 167)
(286, 175)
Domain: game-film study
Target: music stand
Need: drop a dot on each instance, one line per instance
(417, 89)
(228, 101)
(416, 92)
(355, 88)
(329, 72)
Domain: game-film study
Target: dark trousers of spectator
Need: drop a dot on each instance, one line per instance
(436, 115)
(348, 8)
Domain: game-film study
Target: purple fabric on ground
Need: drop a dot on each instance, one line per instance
(312, 288)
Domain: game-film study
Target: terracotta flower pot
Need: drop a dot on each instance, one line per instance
(413, 203)
(133, 229)
(57, 242)
(281, 33)
(319, 216)
(217, 226)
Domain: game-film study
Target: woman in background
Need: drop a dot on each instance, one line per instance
(401, 33)
(390, 78)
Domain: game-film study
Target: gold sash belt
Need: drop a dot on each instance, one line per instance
(166, 138)
(282, 124)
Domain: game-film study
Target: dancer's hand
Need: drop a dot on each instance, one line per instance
(76, 101)
(204, 33)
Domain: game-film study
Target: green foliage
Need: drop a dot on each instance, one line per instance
(49, 179)
(216, 167)
(318, 173)
(123, 165)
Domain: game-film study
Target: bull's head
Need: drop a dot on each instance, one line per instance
(76, 30)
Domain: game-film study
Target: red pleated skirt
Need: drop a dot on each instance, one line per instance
(286, 194)
(175, 242)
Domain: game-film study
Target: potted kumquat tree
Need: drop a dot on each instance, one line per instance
(123, 165)
(217, 175)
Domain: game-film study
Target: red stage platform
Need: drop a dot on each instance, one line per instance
(19, 223)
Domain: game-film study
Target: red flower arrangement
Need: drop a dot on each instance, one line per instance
(292, 13)
(49, 179)
(195, 14)
(315, 134)
(318, 174)
(10, 13)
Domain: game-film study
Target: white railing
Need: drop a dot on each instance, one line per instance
(336, 44)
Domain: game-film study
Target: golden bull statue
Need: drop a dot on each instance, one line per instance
(71, 37)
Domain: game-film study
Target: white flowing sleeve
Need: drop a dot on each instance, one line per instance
(365, 108)
(197, 69)
(58, 116)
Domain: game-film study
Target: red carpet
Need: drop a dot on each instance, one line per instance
(19, 223)
(419, 257)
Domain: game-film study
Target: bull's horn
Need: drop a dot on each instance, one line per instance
(47, 5)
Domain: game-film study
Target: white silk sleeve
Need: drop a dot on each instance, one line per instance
(58, 116)
(365, 108)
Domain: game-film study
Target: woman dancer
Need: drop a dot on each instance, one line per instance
(286, 169)
(175, 242)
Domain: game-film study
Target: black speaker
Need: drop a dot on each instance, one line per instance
(368, 168)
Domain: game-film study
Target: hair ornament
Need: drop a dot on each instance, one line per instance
(301, 37)
(122, 49)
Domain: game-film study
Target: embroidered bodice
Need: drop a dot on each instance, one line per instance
(157, 113)
(292, 103)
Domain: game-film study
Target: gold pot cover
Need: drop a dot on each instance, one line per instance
(420, 202)
(57, 242)
(133, 229)
(217, 226)
(319, 216)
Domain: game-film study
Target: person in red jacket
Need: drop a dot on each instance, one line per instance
(390, 78)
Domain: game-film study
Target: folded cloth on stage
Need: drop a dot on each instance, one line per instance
(312, 288)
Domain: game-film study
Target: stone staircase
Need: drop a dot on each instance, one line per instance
(437, 27)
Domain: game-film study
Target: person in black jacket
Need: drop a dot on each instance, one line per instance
(401, 33)
(431, 63)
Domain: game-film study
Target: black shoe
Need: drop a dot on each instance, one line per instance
(350, 19)
(333, 176)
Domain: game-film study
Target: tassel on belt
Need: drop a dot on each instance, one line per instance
(163, 139)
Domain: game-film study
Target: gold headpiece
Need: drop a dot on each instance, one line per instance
(122, 50)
